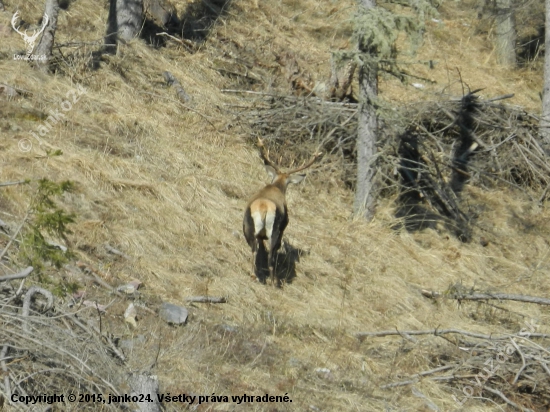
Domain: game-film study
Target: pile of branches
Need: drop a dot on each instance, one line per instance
(508, 146)
(428, 151)
(46, 351)
(514, 369)
(296, 127)
(451, 143)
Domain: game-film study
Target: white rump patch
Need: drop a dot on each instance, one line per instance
(258, 222)
(269, 222)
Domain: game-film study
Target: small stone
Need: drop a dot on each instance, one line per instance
(173, 314)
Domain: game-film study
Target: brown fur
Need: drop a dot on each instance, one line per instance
(271, 197)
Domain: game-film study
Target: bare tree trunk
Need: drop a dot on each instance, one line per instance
(112, 28)
(124, 21)
(45, 46)
(505, 33)
(367, 129)
(545, 120)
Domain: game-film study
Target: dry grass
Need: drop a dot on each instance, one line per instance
(163, 185)
(455, 44)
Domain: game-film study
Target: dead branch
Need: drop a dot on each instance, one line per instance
(505, 399)
(19, 182)
(27, 302)
(23, 274)
(55, 353)
(435, 332)
(503, 365)
(544, 366)
(414, 378)
(503, 97)
(63, 352)
(173, 82)
(522, 360)
(439, 332)
(91, 328)
(117, 252)
(206, 299)
(14, 236)
(95, 276)
(432, 378)
(487, 296)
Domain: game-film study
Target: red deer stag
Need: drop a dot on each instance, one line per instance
(266, 215)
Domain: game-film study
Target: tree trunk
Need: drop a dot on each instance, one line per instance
(367, 129)
(124, 21)
(545, 118)
(112, 28)
(45, 46)
(505, 33)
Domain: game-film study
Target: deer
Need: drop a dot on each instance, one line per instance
(266, 214)
(29, 40)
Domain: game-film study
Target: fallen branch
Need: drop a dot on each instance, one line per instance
(23, 274)
(117, 252)
(487, 296)
(348, 105)
(14, 236)
(19, 182)
(514, 371)
(505, 399)
(27, 303)
(90, 327)
(503, 97)
(438, 332)
(206, 299)
(79, 44)
(522, 361)
(63, 352)
(173, 82)
(414, 378)
(432, 378)
(95, 276)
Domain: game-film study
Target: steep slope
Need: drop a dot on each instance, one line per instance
(167, 185)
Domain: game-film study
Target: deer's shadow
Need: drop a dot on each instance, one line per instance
(285, 263)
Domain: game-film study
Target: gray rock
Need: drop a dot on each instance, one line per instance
(173, 314)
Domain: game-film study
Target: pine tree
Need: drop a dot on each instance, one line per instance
(377, 28)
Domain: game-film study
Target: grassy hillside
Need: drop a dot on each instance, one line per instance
(167, 185)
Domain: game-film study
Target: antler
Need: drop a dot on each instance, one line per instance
(13, 20)
(264, 153)
(308, 164)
